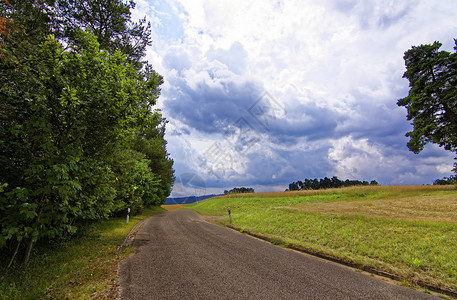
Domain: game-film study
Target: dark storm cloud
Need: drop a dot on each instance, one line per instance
(214, 94)
(383, 123)
(306, 120)
(213, 110)
(210, 109)
(269, 167)
(434, 151)
(289, 165)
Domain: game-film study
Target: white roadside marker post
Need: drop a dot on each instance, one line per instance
(128, 213)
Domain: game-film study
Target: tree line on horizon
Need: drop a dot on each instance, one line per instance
(241, 190)
(79, 136)
(446, 180)
(326, 183)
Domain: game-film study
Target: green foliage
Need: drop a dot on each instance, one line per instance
(241, 190)
(446, 180)
(76, 268)
(432, 99)
(326, 183)
(110, 21)
(150, 142)
(136, 184)
(74, 108)
(71, 121)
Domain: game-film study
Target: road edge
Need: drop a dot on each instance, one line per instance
(367, 269)
(128, 240)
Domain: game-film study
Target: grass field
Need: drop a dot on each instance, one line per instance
(84, 267)
(408, 231)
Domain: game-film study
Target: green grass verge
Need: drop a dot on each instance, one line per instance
(360, 230)
(83, 267)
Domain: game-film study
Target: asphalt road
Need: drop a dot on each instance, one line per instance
(179, 256)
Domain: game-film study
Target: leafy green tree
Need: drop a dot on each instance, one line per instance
(446, 180)
(292, 187)
(150, 141)
(432, 99)
(336, 183)
(135, 183)
(109, 20)
(325, 183)
(73, 110)
(78, 132)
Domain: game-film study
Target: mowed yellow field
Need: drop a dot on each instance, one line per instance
(173, 206)
(442, 208)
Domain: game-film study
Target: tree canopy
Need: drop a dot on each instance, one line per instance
(109, 20)
(432, 99)
(446, 180)
(79, 136)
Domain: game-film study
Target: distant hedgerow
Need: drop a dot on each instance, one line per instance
(326, 183)
(239, 191)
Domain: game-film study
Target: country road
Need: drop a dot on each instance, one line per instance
(179, 256)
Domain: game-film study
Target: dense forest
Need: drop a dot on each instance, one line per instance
(326, 183)
(79, 136)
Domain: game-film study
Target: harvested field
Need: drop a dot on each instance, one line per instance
(441, 208)
(173, 206)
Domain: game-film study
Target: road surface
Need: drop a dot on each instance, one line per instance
(179, 256)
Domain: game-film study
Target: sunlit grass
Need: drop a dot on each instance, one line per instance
(409, 231)
(81, 268)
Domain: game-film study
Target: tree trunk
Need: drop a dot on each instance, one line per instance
(28, 250)
(11, 261)
(29, 247)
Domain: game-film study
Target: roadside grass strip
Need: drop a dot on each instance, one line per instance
(83, 267)
(406, 231)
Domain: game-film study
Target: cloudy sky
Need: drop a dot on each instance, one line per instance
(262, 93)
